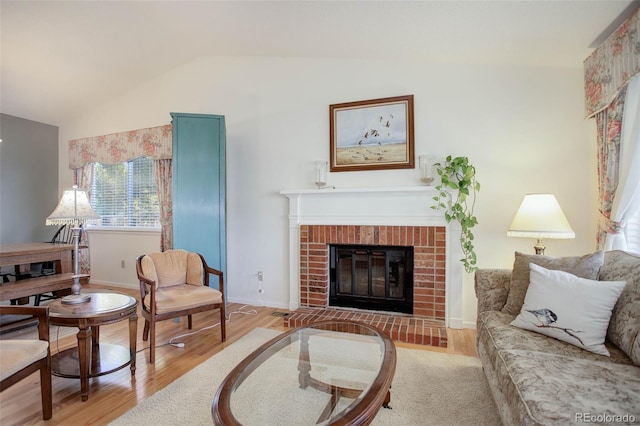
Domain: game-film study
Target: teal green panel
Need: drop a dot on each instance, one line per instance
(199, 186)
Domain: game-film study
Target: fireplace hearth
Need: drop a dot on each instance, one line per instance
(383, 216)
(378, 278)
(429, 261)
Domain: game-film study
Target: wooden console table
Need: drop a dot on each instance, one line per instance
(27, 253)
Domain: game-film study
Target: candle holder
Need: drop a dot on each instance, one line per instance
(321, 173)
(425, 163)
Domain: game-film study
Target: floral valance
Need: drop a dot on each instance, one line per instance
(612, 65)
(154, 142)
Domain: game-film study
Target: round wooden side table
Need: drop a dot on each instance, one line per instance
(92, 358)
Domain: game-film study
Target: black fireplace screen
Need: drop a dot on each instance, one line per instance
(372, 277)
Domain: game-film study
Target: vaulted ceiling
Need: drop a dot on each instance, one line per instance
(60, 57)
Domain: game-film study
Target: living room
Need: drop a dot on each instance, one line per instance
(511, 99)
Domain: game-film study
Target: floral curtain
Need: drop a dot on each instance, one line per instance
(607, 72)
(83, 177)
(608, 69)
(609, 126)
(154, 142)
(162, 171)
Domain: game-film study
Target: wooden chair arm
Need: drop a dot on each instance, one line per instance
(146, 286)
(39, 312)
(146, 280)
(209, 270)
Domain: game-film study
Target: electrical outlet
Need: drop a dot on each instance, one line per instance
(260, 278)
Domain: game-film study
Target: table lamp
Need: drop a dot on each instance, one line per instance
(540, 216)
(74, 209)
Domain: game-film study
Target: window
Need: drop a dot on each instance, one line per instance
(124, 195)
(632, 233)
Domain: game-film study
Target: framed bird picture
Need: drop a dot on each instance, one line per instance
(372, 135)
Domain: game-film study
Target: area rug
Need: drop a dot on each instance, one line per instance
(429, 388)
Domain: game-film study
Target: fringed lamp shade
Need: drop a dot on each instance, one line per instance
(74, 208)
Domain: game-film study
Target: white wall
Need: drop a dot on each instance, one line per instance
(114, 253)
(522, 128)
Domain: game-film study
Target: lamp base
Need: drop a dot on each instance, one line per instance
(74, 299)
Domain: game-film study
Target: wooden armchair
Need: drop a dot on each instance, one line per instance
(176, 283)
(21, 358)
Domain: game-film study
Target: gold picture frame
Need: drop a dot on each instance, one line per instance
(372, 135)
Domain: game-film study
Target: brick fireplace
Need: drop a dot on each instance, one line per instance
(391, 216)
(429, 272)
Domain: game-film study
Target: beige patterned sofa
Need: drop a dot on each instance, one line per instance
(538, 380)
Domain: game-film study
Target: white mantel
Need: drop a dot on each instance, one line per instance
(391, 206)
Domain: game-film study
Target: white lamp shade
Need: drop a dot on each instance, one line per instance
(73, 208)
(540, 216)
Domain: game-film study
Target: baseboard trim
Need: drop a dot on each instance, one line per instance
(257, 302)
(113, 284)
(469, 324)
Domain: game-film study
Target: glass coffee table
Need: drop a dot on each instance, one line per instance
(326, 373)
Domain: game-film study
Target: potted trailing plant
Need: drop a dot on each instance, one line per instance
(456, 173)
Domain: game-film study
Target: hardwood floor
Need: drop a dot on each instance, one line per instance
(113, 394)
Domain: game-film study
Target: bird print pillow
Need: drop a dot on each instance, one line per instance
(572, 309)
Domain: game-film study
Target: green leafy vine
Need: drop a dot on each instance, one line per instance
(458, 175)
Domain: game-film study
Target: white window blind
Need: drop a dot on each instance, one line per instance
(632, 232)
(124, 195)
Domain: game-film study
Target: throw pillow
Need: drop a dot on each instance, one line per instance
(572, 309)
(586, 266)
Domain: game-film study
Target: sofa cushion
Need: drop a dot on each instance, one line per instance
(586, 266)
(558, 389)
(497, 334)
(624, 326)
(491, 319)
(568, 308)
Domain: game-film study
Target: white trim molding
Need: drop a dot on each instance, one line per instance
(385, 206)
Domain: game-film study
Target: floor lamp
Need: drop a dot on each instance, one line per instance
(540, 216)
(74, 210)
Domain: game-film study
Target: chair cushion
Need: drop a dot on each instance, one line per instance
(173, 267)
(18, 354)
(183, 296)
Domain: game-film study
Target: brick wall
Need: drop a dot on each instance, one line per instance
(428, 256)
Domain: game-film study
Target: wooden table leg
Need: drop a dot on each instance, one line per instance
(304, 364)
(387, 400)
(84, 357)
(133, 334)
(65, 264)
(95, 336)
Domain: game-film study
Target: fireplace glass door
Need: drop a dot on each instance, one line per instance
(372, 277)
